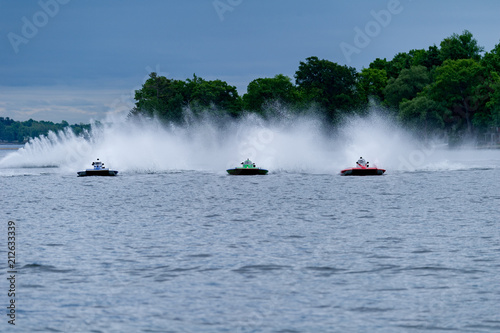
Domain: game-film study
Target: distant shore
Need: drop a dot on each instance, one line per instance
(10, 145)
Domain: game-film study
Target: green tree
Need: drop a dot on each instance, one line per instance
(457, 84)
(332, 86)
(422, 114)
(429, 58)
(491, 60)
(462, 46)
(21, 131)
(259, 91)
(379, 64)
(408, 84)
(418, 57)
(166, 98)
(432, 57)
(400, 61)
(160, 97)
(489, 116)
(216, 95)
(372, 83)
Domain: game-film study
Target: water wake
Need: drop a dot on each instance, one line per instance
(281, 144)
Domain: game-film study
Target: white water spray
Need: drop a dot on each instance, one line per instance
(287, 144)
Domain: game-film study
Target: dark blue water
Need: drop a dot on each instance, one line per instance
(293, 251)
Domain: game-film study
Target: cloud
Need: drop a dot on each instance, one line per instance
(56, 103)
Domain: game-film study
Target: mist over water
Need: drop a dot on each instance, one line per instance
(281, 144)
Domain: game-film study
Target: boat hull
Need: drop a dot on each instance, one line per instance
(97, 173)
(247, 171)
(362, 172)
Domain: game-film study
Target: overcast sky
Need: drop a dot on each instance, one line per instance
(78, 60)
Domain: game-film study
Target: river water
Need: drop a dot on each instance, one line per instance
(193, 250)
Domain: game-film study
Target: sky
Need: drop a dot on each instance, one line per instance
(80, 61)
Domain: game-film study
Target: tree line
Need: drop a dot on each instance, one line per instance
(22, 131)
(453, 89)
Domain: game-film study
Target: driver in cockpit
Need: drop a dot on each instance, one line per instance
(361, 162)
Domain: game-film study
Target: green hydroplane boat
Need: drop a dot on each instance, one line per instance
(247, 169)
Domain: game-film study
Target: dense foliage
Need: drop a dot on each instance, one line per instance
(451, 90)
(21, 131)
(166, 98)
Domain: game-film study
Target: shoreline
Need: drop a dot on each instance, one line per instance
(10, 145)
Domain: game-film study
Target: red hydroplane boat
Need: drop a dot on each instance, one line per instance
(362, 169)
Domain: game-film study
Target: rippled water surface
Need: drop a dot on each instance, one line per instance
(195, 251)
